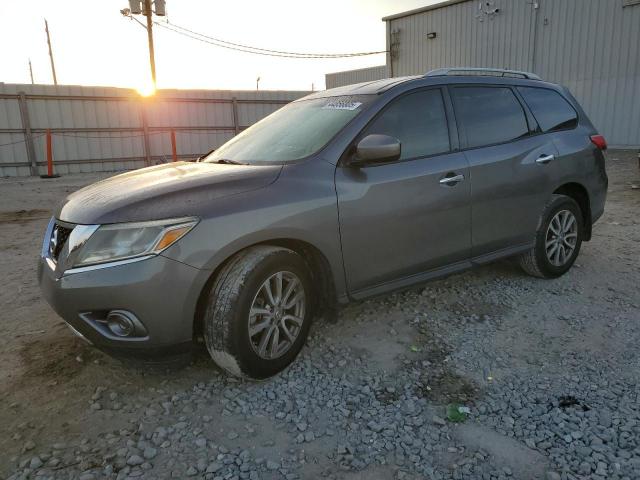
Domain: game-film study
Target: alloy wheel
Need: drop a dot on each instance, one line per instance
(561, 238)
(276, 315)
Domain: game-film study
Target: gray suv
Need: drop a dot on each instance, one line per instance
(341, 195)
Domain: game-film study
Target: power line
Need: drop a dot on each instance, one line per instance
(138, 21)
(332, 55)
(256, 50)
(111, 135)
(20, 141)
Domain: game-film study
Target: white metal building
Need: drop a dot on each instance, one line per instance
(347, 77)
(590, 46)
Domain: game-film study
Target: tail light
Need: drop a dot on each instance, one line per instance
(599, 141)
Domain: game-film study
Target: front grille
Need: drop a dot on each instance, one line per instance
(59, 237)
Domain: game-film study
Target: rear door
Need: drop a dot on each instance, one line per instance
(558, 120)
(406, 217)
(512, 168)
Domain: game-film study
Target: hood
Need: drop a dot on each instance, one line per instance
(165, 191)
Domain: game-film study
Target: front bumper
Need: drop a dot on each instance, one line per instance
(162, 293)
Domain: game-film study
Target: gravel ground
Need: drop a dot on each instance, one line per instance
(549, 371)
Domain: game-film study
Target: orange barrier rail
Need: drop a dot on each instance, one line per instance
(49, 155)
(49, 152)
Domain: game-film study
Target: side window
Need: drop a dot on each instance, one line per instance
(418, 120)
(488, 115)
(551, 110)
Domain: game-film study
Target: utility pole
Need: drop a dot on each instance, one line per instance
(152, 61)
(137, 7)
(31, 72)
(53, 67)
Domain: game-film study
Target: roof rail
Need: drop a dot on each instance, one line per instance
(495, 72)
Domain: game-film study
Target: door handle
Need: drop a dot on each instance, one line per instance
(450, 181)
(544, 159)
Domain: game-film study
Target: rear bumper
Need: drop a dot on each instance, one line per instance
(599, 196)
(597, 213)
(161, 293)
(599, 190)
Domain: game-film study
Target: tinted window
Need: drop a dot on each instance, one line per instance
(551, 110)
(419, 121)
(489, 115)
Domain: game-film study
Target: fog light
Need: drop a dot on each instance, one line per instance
(120, 323)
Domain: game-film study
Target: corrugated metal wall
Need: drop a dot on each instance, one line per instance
(338, 79)
(464, 40)
(591, 46)
(104, 129)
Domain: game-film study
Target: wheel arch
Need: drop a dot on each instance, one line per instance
(580, 194)
(319, 268)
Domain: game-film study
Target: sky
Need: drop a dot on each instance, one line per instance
(93, 44)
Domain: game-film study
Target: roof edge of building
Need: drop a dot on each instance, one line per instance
(435, 6)
(384, 65)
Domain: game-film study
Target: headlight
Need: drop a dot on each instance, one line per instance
(121, 241)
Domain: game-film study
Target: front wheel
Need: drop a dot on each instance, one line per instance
(558, 239)
(259, 312)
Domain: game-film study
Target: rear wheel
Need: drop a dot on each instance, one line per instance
(259, 312)
(558, 239)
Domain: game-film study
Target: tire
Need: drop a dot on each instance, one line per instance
(241, 285)
(537, 261)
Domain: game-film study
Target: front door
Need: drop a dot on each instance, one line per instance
(410, 216)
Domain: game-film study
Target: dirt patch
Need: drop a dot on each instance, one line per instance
(382, 341)
(448, 387)
(61, 358)
(22, 216)
(482, 311)
(439, 382)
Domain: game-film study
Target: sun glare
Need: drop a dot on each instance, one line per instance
(146, 90)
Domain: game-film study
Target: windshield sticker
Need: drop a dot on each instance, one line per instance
(341, 105)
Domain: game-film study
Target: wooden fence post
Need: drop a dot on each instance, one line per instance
(236, 125)
(28, 136)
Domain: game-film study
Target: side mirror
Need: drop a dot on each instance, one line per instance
(376, 148)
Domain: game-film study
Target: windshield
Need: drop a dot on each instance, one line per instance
(297, 130)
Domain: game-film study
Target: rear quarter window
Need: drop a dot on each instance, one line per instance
(489, 115)
(550, 108)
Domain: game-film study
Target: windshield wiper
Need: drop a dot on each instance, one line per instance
(202, 157)
(228, 161)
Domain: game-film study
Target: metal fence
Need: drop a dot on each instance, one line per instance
(108, 129)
